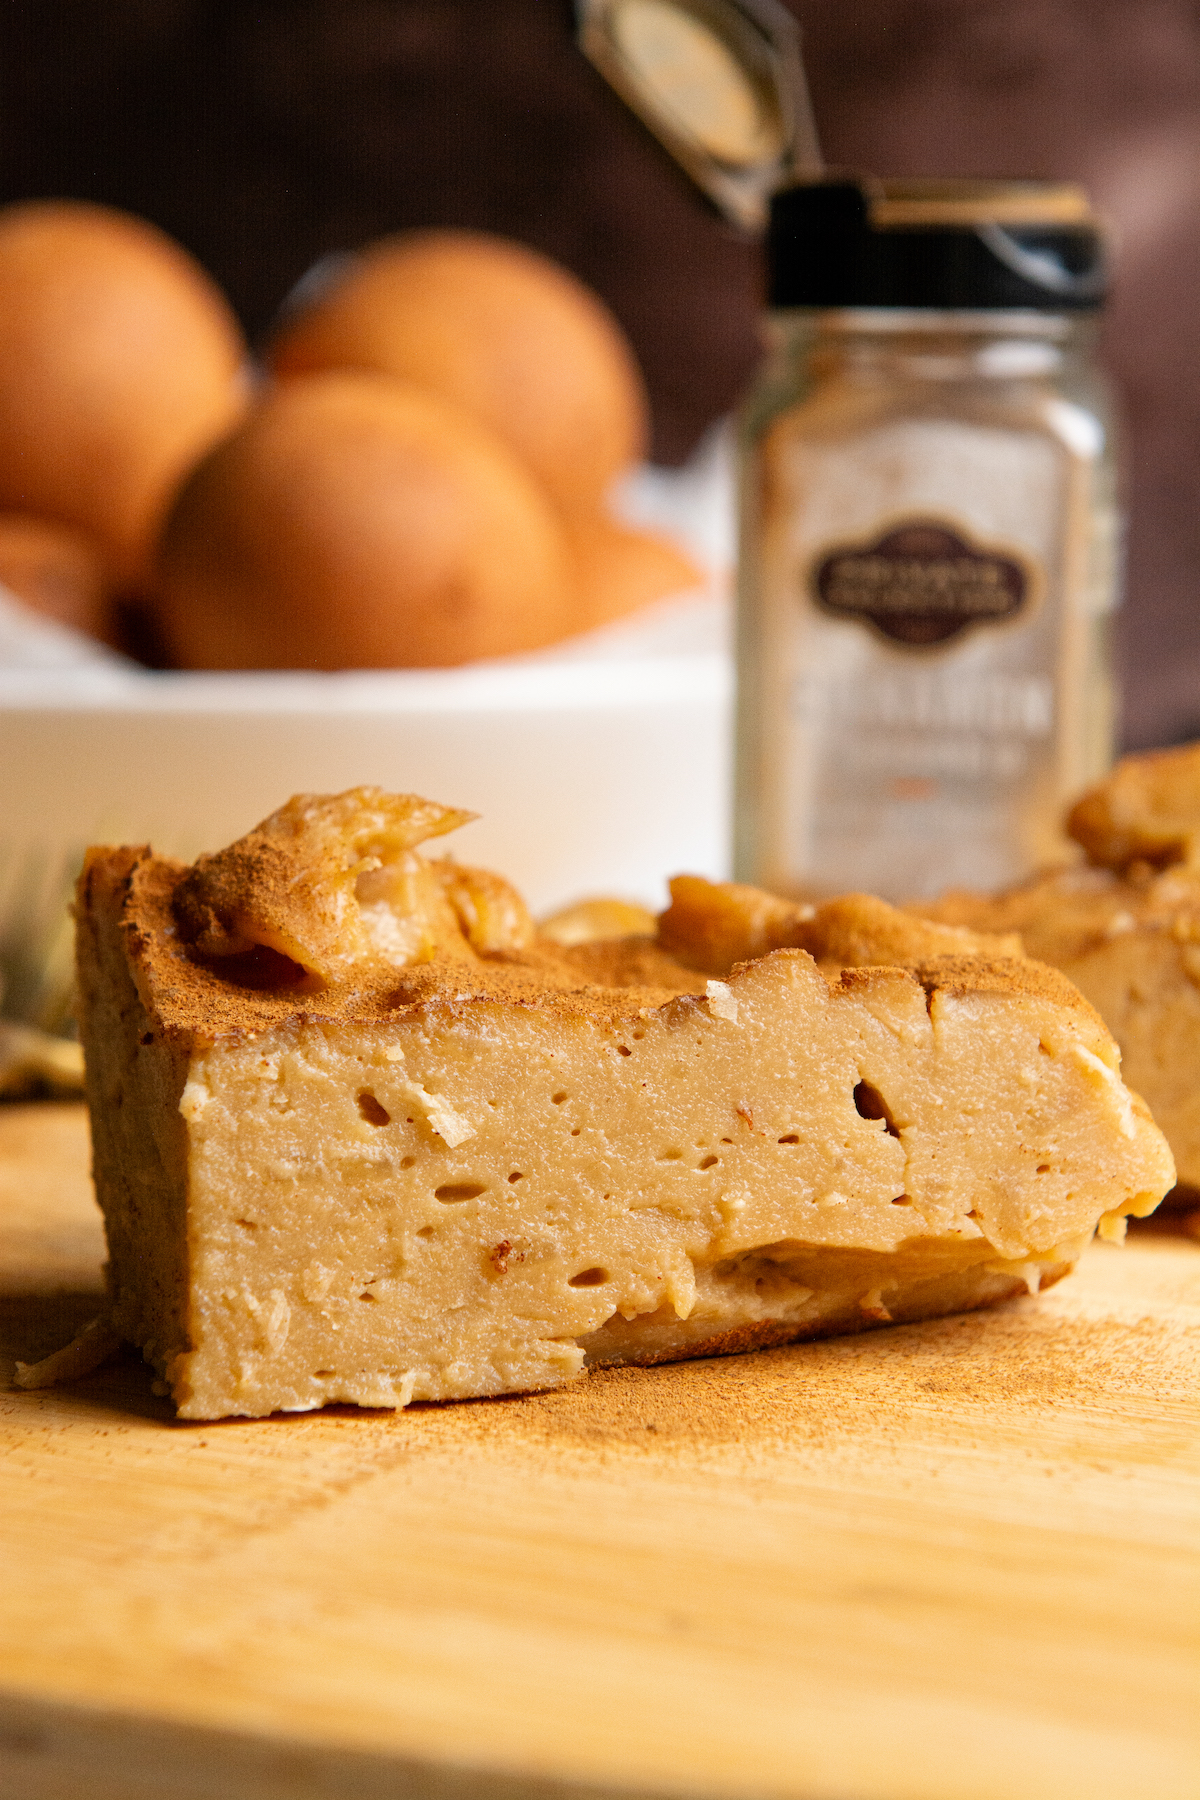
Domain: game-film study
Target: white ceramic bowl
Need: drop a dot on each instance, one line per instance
(589, 776)
(600, 766)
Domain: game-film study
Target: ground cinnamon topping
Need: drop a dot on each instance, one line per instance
(285, 923)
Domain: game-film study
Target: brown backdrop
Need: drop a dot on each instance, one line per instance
(263, 133)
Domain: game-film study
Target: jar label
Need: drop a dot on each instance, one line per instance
(920, 582)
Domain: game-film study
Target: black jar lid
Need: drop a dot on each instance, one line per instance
(1011, 246)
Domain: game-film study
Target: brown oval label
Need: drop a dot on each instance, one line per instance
(920, 583)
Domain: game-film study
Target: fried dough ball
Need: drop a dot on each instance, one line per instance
(507, 334)
(355, 522)
(120, 363)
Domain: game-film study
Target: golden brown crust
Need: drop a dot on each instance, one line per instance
(294, 884)
(853, 933)
(202, 998)
(603, 916)
(712, 925)
(856, 929)
(488, 910)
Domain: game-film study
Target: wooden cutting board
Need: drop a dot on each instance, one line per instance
(942, 1562)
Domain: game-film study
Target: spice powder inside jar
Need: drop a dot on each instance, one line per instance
(929, 528)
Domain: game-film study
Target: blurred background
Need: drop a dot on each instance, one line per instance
(266, 135)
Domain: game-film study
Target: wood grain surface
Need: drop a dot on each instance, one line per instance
(952, 1561)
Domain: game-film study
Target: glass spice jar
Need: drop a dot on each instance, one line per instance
(929, 539)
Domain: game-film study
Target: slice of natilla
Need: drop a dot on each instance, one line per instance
(360, 1135)
(1125, 928)
(1131, 944)
(1146, 810)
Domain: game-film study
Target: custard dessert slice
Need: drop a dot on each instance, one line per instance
(1131, 945)
(361, 1134)
(1126, 930)
(1147, 809)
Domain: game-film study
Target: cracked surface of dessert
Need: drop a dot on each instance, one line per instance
(362, 1134)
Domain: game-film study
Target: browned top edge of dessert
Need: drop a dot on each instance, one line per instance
(202, 998)
(1064, 914)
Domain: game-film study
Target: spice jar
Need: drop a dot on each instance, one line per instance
(929, 537)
